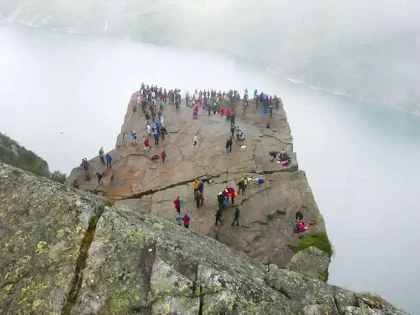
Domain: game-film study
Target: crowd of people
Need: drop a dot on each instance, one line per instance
(152, 100)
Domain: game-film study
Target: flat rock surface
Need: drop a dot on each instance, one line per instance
(64, 252)
(267, 210)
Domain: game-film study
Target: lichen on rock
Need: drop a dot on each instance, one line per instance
(60, 254)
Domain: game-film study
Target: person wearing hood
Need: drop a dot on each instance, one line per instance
(186, 220)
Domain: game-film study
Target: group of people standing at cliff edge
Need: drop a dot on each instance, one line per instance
(151, 100)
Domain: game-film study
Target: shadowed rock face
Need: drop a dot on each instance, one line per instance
(267, 210)
(63, 252)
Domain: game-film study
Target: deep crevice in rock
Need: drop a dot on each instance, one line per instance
(201, 299)
(336, 305)
(81, 261)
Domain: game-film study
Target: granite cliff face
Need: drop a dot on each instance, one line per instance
(267, 210)
(63, 252)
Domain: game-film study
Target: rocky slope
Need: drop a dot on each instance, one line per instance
(267, 210)
(63, 252)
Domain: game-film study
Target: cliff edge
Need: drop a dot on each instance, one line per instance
(64, 252)
(266, 230)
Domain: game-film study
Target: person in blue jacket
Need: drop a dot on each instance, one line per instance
(108, 161)
(156, 136)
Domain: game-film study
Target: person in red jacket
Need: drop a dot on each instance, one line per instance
(228, 114)
(222, 111)
(146, 144)
(177, 204)
(163, 156)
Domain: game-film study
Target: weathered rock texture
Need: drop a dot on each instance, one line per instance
(63, 252)
(267, 210)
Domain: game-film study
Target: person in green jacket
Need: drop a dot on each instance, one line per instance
(101, 155)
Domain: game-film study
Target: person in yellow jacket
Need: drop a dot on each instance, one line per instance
(196, 185)
(242, 185)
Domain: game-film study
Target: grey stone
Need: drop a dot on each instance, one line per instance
(311, 262)
(63, 252)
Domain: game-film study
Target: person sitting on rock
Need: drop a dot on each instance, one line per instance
(100, 182)
(195, 139)
(178, 219)
(186, 220)
(302, 226)
(76, 184)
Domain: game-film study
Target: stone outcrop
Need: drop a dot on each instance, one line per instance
(63, 252)
(267, 210)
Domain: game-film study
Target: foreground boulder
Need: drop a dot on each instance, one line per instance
(63, 252)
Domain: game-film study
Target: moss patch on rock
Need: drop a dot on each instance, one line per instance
(319, 240)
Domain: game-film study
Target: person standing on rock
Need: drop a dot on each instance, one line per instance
(242, 185)
(196, 185)
(101, 155)
(218, 216)
(228, 114)
(236, 217)
(163, 132)
(220, 199)
(186, 220)
(163, 156)
(197, 198)
(232, 130)
(108, 161)
(195, 138)
(156, 136)
(227, 147)
(201, 186)
(177, 203)
(146, 144)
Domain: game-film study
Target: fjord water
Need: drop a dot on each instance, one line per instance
(361, 159)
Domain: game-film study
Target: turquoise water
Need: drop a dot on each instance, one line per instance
(361, 159)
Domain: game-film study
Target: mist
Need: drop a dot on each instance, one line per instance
(364, 50)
